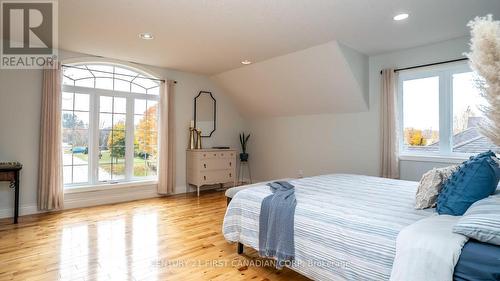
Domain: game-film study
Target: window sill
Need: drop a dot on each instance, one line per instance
(107, 186)
(452, 159)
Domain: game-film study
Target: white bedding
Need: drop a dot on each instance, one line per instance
(428, 250)
(345, 225)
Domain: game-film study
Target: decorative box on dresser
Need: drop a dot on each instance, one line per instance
(210, 166)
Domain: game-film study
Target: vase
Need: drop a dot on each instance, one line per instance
(192, 140)
(243, 157)
(198, 142)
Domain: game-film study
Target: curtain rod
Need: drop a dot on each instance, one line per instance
(102, 71)
(429, 64)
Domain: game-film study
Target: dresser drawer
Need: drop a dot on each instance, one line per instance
(210, 164)
(229, 175)
(227, 155)
(206, 155)
(215, 154)
(213, 177)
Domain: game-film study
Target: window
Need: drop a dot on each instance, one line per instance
(421, 120)
(440, 111)
(109, 125)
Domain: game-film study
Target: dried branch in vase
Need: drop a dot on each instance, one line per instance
(485, 60)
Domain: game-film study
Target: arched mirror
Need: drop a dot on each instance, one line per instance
(205, 113)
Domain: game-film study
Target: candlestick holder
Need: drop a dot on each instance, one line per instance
(198, 142)
(192, 140)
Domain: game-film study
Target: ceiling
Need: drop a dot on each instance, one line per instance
(328, 78)
(214, 36)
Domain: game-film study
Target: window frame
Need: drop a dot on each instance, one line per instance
(445, 75)
(94, 131)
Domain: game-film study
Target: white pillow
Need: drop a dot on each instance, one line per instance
(482, 221)
(430, 185)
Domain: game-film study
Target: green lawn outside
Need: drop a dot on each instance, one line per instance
(140, 168)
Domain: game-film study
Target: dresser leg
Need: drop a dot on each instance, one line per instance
(198, 191)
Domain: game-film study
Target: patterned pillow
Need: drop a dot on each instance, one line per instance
(430, 185)
(482, 221)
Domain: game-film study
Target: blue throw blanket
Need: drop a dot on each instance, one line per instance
(276, 223)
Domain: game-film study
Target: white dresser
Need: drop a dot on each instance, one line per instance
(210, 166)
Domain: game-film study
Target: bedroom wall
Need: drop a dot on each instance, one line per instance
(323, 79)
(279, 147)
(20, 98)
(339, 143)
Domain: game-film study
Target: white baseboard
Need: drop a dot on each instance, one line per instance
(23, 211)
(102, 197)
(95, 198)
(181, 189)
(91, 198)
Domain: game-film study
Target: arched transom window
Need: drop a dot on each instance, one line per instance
(110, 124)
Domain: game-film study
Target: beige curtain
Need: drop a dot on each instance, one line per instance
(166, 171)
(389, 134)
(50, 183)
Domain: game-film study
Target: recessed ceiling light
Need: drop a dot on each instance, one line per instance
(146, 36)
(246, 62)
(401, 17)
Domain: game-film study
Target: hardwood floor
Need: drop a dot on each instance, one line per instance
(170, 238)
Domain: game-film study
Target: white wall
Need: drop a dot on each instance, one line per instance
(323, 79)
(315, 144)
(20, 101)
(319, 144)
(279, 147)
(413, 170)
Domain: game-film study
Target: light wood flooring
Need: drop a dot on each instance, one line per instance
(170, 238)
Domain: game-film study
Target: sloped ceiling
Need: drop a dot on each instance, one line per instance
(214, 36)
(328, 78)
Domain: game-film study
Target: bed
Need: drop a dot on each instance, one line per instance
(478, 261)
(345, 225)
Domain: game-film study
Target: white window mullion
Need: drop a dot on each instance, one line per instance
(94, 139)
(129, 140)
(445, 113)
(90, 142)
(109, 93)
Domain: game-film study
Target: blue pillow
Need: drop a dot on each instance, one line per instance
(488, 153)
(475, 179)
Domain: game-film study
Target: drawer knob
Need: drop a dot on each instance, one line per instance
(230, 175)
(205, 166)
(215, 154)
(230, 164)
(204, 155)
(205, 177)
